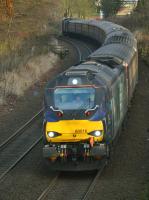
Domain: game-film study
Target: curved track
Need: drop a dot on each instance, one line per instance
(80, 46)
(20, 143)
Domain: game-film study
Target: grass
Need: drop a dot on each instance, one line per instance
(16, 82)
(23, 38)
(8, 45)
(138, 24)
(30, 18)
(145, 193)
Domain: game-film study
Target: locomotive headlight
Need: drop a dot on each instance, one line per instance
(97, 133)
(52, 134)
(74, 81)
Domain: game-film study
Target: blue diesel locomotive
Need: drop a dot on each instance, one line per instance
(86, 105)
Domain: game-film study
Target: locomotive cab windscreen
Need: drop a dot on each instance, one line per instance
(90, 100)
(74, 98)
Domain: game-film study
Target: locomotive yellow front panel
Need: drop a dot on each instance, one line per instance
(74, 130)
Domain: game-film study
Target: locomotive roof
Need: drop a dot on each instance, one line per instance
(90, 73)
(95, 67)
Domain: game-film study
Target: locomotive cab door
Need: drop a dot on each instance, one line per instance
(105, 112)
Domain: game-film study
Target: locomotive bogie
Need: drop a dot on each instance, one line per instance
(80, 151)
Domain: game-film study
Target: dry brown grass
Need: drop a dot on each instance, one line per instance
(30, 18)
(17, 81)
(24, 45)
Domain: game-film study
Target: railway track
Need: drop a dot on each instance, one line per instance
(22, 141)
(72, 186)
(18, 145)
(80, 46)
(93, 183)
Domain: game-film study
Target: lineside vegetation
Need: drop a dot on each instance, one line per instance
(110, 7)
(28, 20)
(137, 22)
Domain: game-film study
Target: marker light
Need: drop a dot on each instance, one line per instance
(88, 113)
(125, 64)
(59, 114)
(74, 81)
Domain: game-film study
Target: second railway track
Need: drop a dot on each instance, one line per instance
(14, 149)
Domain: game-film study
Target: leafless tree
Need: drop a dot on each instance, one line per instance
(10, 7)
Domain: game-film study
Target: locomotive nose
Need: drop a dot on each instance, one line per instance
(74, 130)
